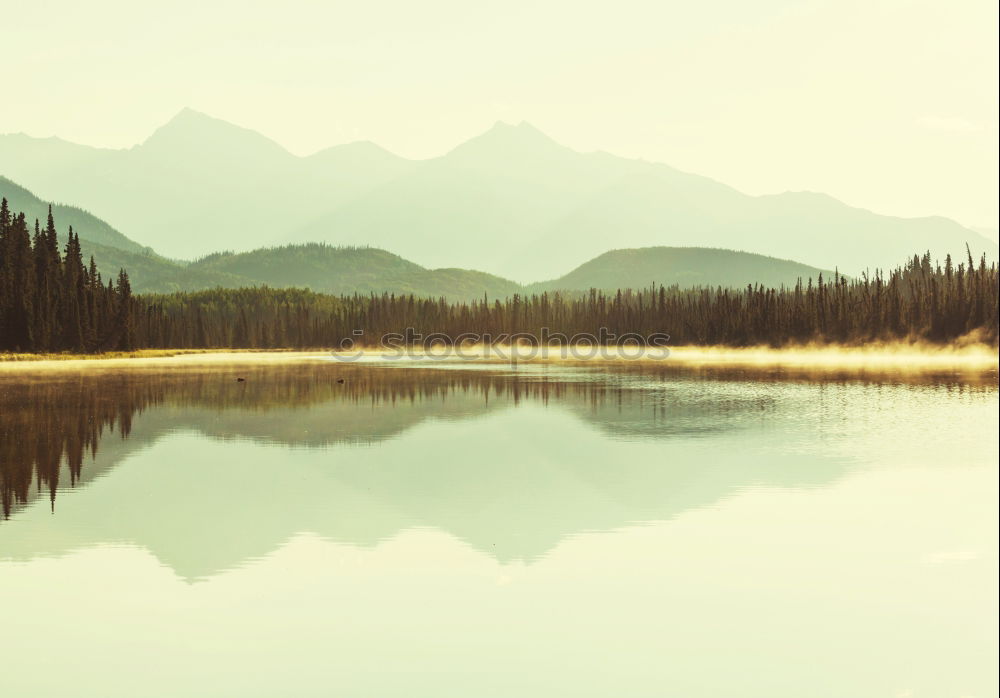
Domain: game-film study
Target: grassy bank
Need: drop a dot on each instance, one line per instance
(137, 354)
(904, 357)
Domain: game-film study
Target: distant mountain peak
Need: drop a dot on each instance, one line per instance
(521, 130)
(189, 113)
(506, 139)
(190, 128)
(189, 118)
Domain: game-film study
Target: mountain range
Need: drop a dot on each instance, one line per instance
(511, 201)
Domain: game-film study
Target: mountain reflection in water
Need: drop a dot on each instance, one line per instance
(223, 471)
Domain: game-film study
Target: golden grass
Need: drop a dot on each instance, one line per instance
(9, 359)
(137, 354)
(899, 357)
(149, 358)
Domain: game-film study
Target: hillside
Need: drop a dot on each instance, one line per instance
(511, 201)
(111, 250)
(150, 273)
(91, 228)
(364, 270)
(347, 270)
(681, 266)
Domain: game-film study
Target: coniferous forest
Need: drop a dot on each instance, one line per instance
(50, 300)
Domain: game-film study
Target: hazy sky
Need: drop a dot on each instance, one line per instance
(887, 104)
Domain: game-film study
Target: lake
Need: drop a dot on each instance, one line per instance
(376, 529)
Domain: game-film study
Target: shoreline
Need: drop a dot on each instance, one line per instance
(903, 357)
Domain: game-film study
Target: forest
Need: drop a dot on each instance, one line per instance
(51, 301)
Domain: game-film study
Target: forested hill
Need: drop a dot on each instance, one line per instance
(364, 270)
(680, 266)
(347, 270)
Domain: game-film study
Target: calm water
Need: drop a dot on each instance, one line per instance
(544, 531)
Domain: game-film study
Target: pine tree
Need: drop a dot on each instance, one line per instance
(125, 317)
(71, 295)
(6, 271)
(17, 332)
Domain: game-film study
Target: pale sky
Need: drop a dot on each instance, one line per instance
(890, 105)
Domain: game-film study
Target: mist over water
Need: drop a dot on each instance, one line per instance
(549, 529)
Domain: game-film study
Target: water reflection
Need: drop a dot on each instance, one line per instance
(210, 471)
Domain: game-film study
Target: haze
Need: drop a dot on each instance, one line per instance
(889, 105)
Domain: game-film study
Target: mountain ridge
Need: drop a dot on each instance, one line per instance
(511, 198)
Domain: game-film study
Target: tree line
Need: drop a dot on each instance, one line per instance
(51, 301)
(48, 302)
